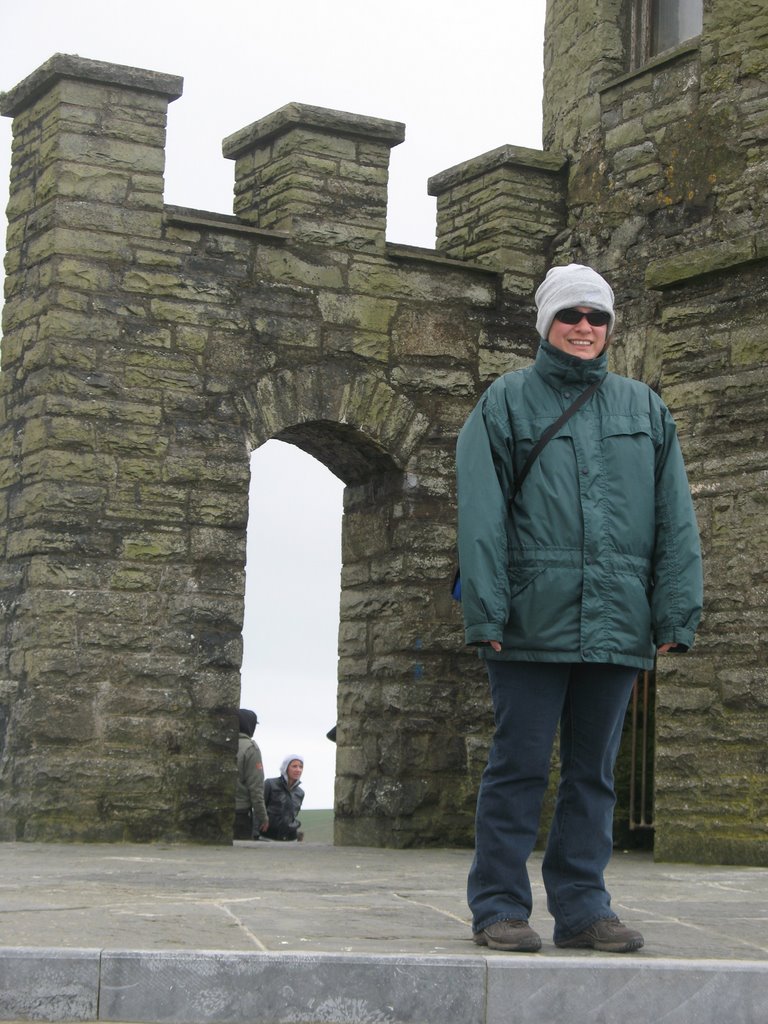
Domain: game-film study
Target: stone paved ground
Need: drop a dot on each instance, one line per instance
(317, 897)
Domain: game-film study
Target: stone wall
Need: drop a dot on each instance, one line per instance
(668, 169)
(147, 350)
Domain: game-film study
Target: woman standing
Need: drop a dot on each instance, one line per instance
(569, 587)
(283, 797)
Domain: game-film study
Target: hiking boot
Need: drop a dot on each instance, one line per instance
(513, 936)
(608, 935)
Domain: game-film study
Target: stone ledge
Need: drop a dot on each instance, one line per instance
(708, 259)
(271, 987)
(400, 251)
(504, 156)
(183, 216)
(63, 65)
(671, 56)
(627, 989)
(49, 984)
(213, 987)
(303, 115)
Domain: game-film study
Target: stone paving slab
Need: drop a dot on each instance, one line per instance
(235, 987)
(51, 984)
(261, 933)
(626, 990)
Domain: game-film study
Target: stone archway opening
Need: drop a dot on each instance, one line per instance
(346, 637)
(291, 616)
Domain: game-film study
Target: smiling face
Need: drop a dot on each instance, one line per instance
(581, 339)
(294, 770)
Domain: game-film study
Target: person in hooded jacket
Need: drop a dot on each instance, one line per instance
(568, 589)
(284, 796)
(250, 811)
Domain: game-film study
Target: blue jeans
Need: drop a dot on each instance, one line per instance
(529, 699)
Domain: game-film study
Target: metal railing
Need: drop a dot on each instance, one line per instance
(641, 771)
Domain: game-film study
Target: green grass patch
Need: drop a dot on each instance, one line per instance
(317, 826)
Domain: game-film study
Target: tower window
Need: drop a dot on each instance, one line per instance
(674, 21)
(659, 25)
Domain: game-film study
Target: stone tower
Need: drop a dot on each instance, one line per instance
(667, 172)
(148, 349)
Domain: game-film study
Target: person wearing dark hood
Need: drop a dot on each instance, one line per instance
(250, 810)
(580, 562)
(283, 796)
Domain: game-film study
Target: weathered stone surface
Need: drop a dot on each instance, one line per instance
(143, 355)
(219, 987)
(321, 174)
(51, 984)
(503, 208)
(147, 349)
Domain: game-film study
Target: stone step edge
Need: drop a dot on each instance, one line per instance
(253, 987)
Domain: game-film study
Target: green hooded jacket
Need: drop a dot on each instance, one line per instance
(598, 560)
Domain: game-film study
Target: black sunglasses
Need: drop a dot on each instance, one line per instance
(595, 318)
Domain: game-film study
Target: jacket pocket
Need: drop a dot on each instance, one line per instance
(627, 614)
(628, 463)
(545, 608)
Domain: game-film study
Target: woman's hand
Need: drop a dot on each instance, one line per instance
(495, 645)
(664, 648)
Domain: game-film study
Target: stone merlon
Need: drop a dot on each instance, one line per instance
(303, 115)
(502, 208)
(319, 174)
(503, 156)
(63, 65)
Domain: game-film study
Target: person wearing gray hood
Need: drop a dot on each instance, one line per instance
(284, 796)
(250, 810)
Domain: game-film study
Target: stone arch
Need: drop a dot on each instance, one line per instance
(358, 426)
(365, 432)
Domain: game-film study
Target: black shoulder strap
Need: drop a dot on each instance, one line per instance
(549, 433)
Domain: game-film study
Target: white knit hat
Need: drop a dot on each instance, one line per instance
(574, 285)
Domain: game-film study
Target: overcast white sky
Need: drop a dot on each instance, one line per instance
(464, 77)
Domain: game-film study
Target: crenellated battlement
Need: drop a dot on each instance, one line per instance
(321, 175)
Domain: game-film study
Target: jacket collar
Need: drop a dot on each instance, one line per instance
(558, 368)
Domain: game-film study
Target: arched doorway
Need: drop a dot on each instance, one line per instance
(291, 621)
